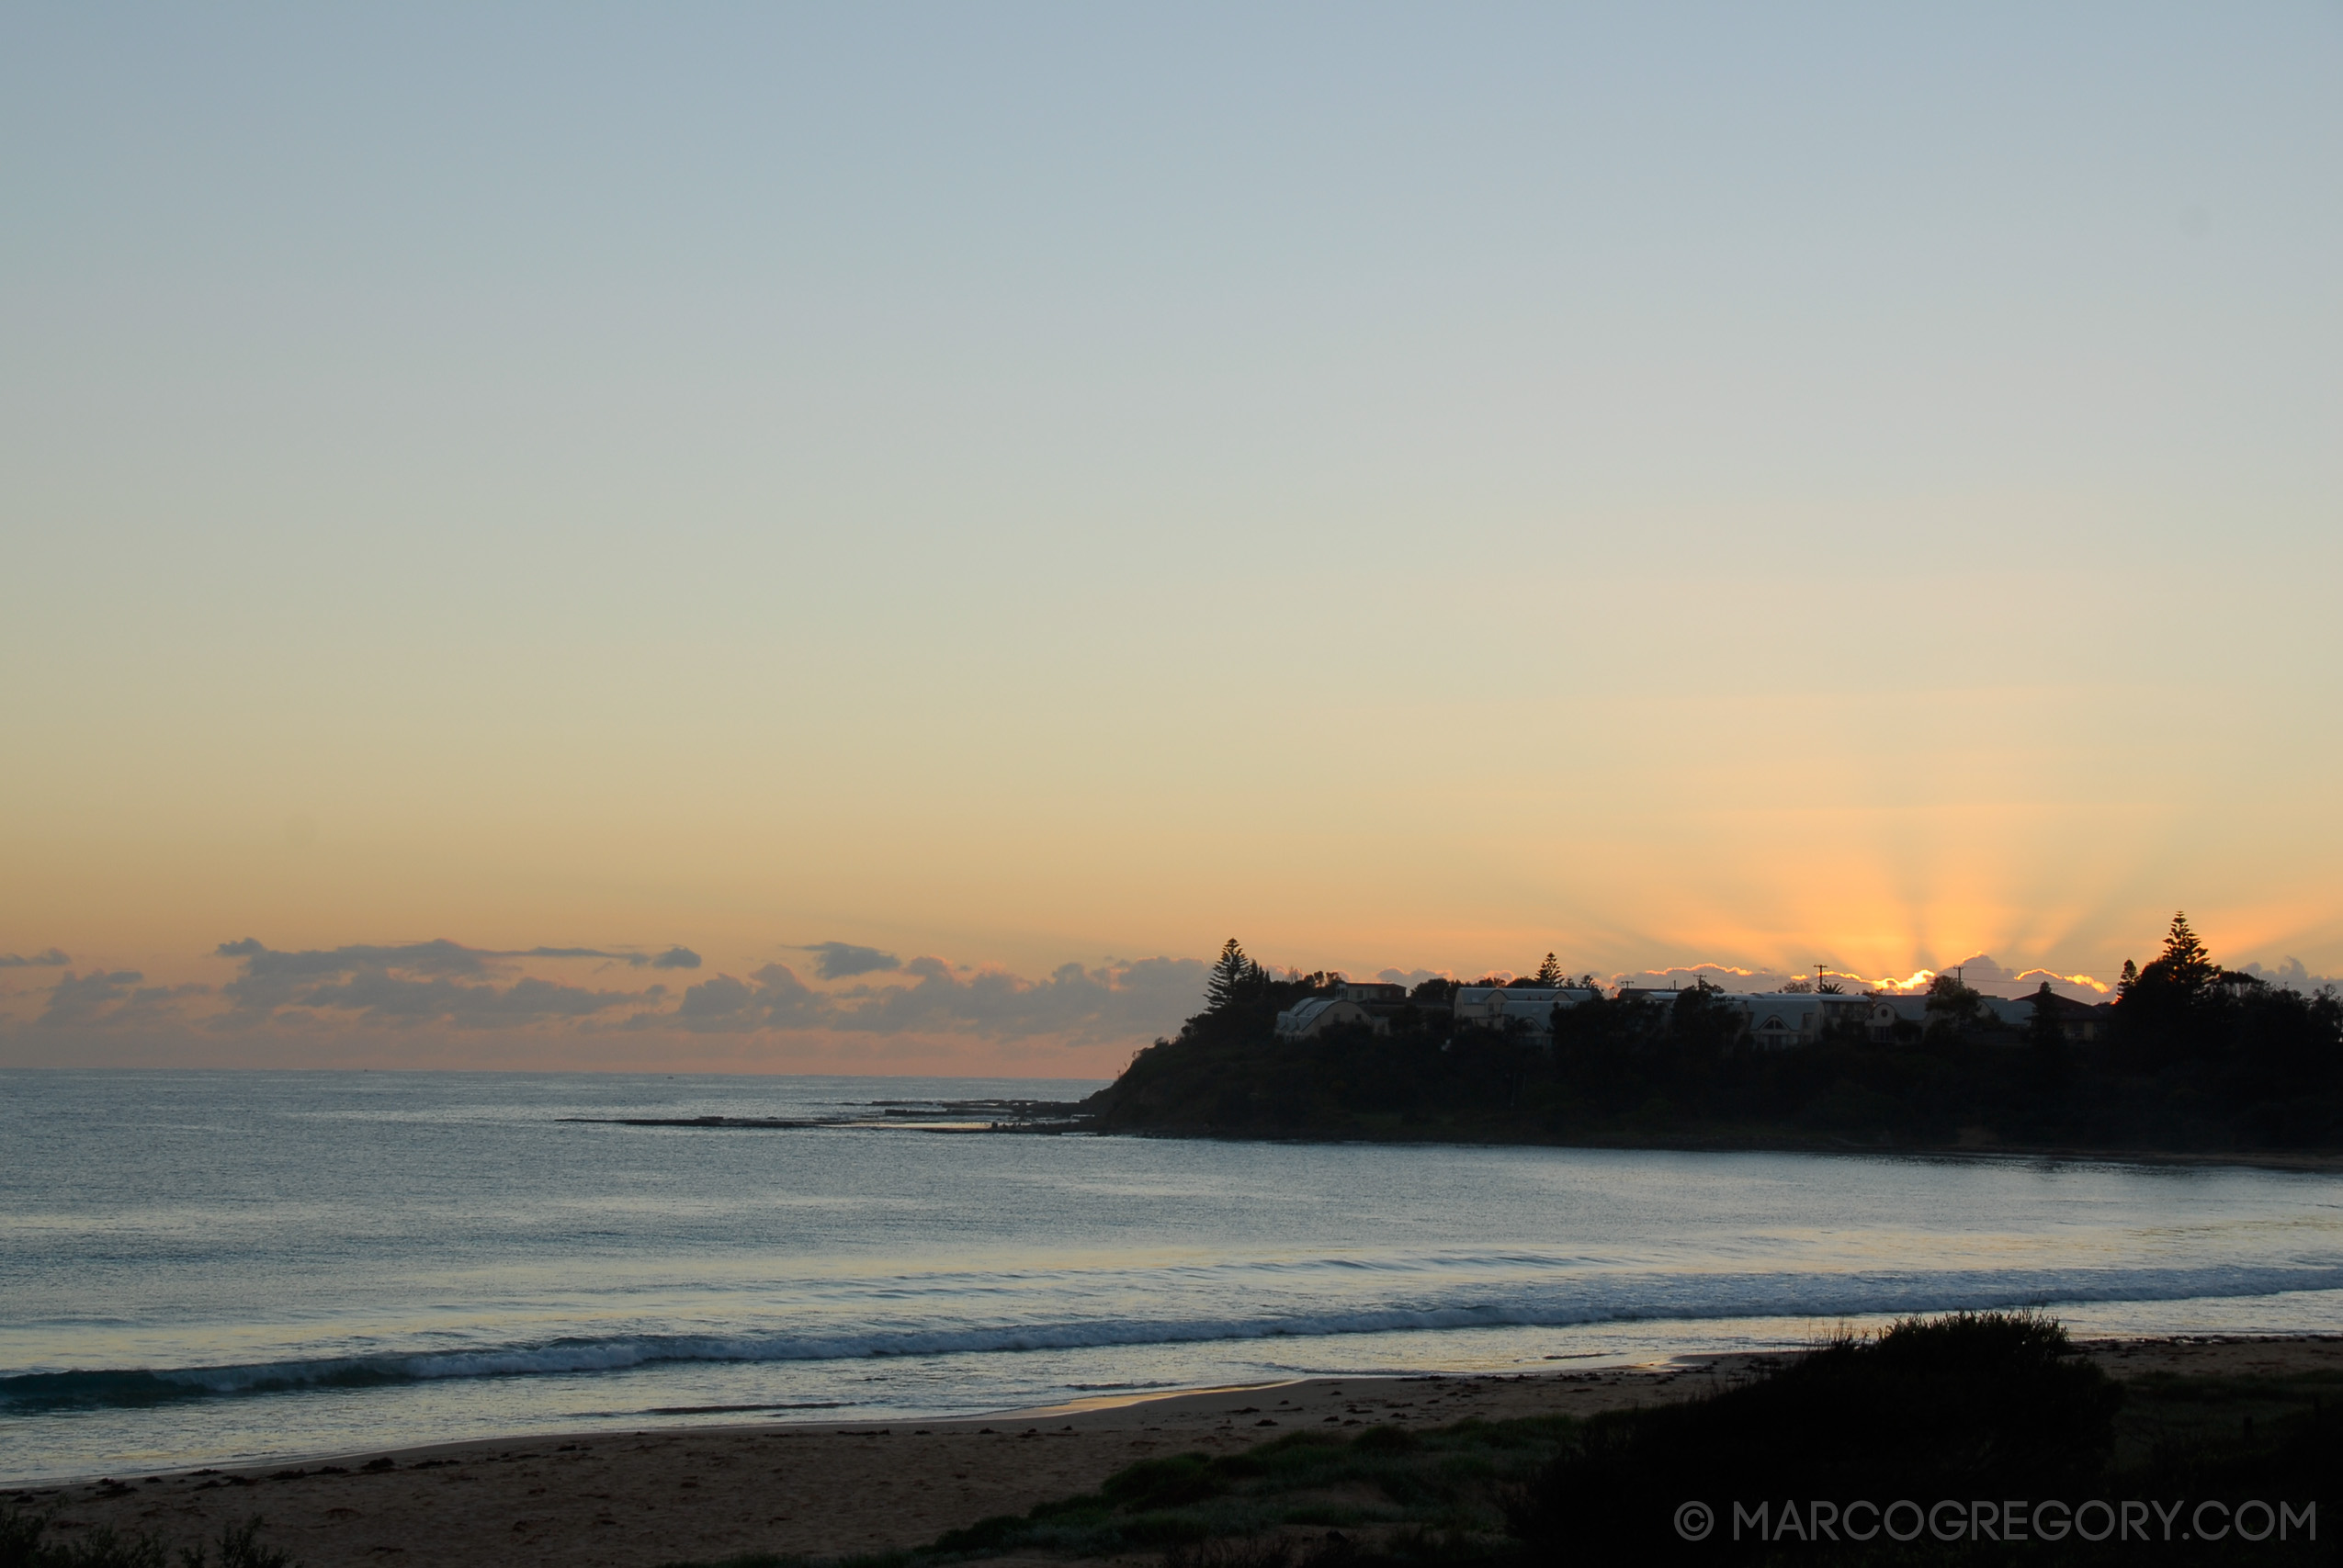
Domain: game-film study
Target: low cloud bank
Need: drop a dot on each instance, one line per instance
(856, 1005)
(843, 960)
(116, 997)
(438, 957)
(2291, 975)
(438, 982)
(445, 985)
(1081, 1006)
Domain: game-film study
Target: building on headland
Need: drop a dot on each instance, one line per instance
(1796, 1018)
(1313, 1016)
(1773, 1020)
(1370, 1002)
(1886, 1011)
(1524, 1010)
(1773, 1017)
(2076, 1020)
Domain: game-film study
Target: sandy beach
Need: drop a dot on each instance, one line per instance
(639, 1499)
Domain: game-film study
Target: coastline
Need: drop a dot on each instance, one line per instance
(2300, 1161)
(641, 1499)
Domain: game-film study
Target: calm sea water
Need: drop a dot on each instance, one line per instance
(206, 1267)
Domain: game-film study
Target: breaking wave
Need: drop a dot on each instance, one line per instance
(1574, 1302)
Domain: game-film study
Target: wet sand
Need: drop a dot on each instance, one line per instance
(639, 1499)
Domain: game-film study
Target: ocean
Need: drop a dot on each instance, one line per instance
(205, 1267)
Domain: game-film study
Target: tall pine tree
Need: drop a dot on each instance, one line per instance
(1232, 978)
(2185, 961)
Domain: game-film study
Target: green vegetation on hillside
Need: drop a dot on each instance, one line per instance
(2192, 1056)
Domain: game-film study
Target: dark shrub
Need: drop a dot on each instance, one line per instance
(1973, 1405)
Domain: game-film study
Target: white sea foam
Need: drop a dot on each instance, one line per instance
(1639, 1298)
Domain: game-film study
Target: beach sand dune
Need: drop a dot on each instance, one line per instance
(639, 1499)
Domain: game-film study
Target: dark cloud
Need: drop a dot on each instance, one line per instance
(445, 985)
(381, 998)
(773, 998)
(843, 960)
(2293, 974)
(421, 982)
(1116, 1001)
(112, 997)
(53, 959)
(437, 957)
(673, 958)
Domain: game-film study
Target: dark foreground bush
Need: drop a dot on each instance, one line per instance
(24, 1543)
(1966, 1424)
(1964, 1415)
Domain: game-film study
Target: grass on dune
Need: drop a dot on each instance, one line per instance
(23, 1544)
(1435, 1491)
(1447, 1479)
(1972, 1405)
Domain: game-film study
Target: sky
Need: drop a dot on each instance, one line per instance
(495, 498)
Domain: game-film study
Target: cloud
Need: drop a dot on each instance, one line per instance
(437, 957)
(673, 958)
(2293, 975)
(1979, 971)
(1117, 1000)
(1725, 975)
(54, 958)
(263, 966)
(426, 982)
(112, 998)
(842, 960)
(382, 998)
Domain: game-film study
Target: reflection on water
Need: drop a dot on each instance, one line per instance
(205, 1266)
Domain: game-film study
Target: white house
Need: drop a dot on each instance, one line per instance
(1794, 1018)
(1315, 1015)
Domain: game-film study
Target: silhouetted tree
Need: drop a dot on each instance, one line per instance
(1953, 1007)
(1703, 1023)
(2185, 960)
(2168, 1009)
(1233, 980)
(1551, 971)
(2046, 1040)
(2199, 1057)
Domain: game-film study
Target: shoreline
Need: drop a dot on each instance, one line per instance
(641, 1497)
(2302, 1161)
